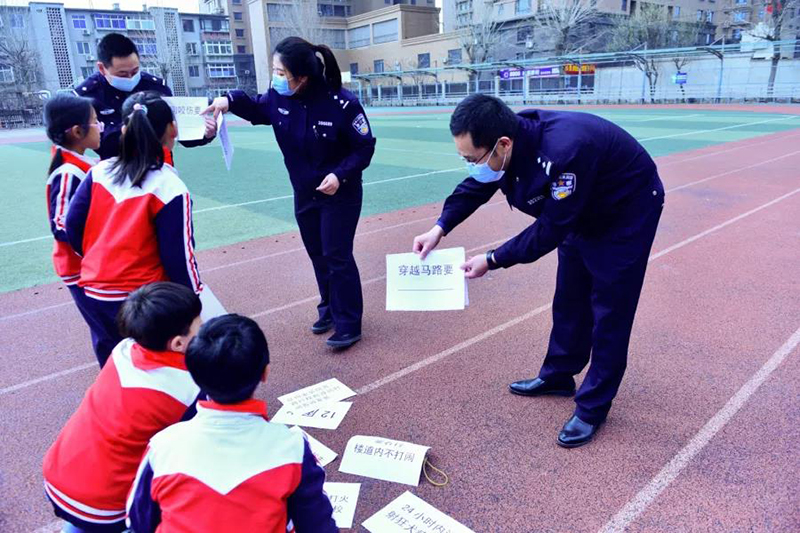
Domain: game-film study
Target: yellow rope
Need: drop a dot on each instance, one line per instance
(427, 465)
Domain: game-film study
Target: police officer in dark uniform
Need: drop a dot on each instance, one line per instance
(119, 75)
(597, 197)
(326, 142)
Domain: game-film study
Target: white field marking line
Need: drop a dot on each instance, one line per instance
(717, 129)
(260, 258)
(31, 382)
(636, 506)
(497, 329)
(740, 147)
(670, 117)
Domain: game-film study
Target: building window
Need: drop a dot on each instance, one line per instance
(188, 25)
(215, 25)
(147, 46)
(79, 22)
(278, 12)
(454, 56)
(625, 5)
(240, 33)
(353, 69)
(218, 48)
(83, 48)
(237, 15)
(236, 2)
(333, 38)
(358, 37)
(709, 16)
(191, 49)
(221, 71)
(137, 23)
(740, 16)
(423, 60)
(378, 65)
(523, 34)
(699, 14)
(86, 72)
(736, 34)
(17, 20)
(522, 6)
(194, 71)
(105, 21)
(676, 12)
(384, 32)
(241, 49)
(741, 2)
(6, 74)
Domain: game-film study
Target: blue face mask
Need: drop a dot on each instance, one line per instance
(483, 172)
(281, 85)
(125, 85)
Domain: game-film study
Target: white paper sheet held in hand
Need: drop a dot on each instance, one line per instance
(225, 141)
(435, 284)
(305, 399)
(322, 453)
(386, 459)
(326, 416)
(343, 497)
(191, 124)
(409, 513)
(212, 307)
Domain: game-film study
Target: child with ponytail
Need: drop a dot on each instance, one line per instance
(131, 219)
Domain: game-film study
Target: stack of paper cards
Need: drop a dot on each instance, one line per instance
(317, 406)
(379, 458)
(435, 284)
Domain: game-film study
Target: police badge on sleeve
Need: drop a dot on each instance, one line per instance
(563, 186)
(361, 125)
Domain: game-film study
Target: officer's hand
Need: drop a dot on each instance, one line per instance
(211, 128)
(329, 185)
(218, 105)
(475, 266)
(427, 241)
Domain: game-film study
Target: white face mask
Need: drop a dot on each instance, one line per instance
(483, 172)
(125, 85)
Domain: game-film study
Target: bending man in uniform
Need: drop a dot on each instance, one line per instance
(597, 197)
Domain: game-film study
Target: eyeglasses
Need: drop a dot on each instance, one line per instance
(477, 161)
(99, 125)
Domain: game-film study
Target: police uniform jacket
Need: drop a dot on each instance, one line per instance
(108, 105)
(573, 172)
(321, 131)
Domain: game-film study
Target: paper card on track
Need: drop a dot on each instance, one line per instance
(191, 124)
(435, 284)
(386, 459)
(225, 141)
(212, 307)
(327, 416)
(328, 391)
(343, 497)
(322, 453)
(410, 513)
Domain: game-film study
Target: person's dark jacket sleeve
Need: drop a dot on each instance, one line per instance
(175, 233)
(361, 143)
(308, 507)
(558, 217)
(144, 514)
(468, 196)
(254, 110)
(78, 213)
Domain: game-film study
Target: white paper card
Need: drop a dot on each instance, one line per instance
(322, 453)
(328, 391)
(225, 141)
(343, 497)
(212, 307)
(409, 513)
(327, 416)
(191, 124)
(435, 284)
(386, 459)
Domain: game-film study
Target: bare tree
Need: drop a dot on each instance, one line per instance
(21, 64)
(567, 22)
(770, 30)
(303, 19)
(481, 39)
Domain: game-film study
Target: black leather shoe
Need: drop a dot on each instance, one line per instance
(322, 326)
(576, 433)
(538, 387)
(342, 342)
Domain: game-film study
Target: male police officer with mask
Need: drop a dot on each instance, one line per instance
(597, 197)
(119, 75)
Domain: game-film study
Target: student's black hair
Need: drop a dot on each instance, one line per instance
(155, 313)
(485, 118)
(146, 117)
(300, 58)
(115, 45)
(61, 113)
(227, 358)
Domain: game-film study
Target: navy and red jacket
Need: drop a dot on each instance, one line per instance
(573, 172)
(228, 470)
(131, 236)
(89, 469)
(108, 105)
(319, 131)
(70, 170)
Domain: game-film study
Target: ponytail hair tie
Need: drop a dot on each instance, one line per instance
(140, 107)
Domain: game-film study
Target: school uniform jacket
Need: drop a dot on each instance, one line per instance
(61, 186)
(131, 236)
(229, 470)
(89, 469)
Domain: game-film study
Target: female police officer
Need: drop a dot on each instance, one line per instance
(326, 142)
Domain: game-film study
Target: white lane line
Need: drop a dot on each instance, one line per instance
(34, 311)
(48, 377)
(709, 178)
(636, 506)
(400, 373)
(23, 241)
(720, 152)
(668, 117)
(717, 129)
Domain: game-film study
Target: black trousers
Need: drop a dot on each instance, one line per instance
(598, 285)
(328, 227)
(101, 316)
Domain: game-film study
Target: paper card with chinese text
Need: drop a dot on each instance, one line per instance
(386, 459)
(327, 416)
(435, 284)
(328, 391)
(343, 497)
(191, 124)
(409, 513)
(322, 453)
